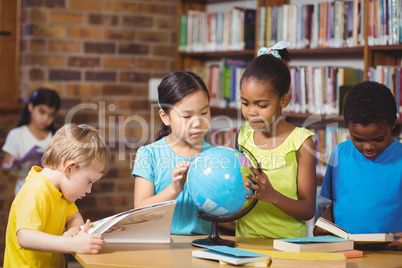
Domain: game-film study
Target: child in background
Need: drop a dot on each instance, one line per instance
(160, 168)
(364, 174)
(35, 128)
(76, 158)
(286, 188)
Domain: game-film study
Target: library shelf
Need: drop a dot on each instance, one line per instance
(248, 53)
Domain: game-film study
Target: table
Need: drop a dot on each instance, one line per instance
(178, 254)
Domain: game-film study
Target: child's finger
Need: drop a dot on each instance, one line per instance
(249, 196)
(86, 226)
(98, 239)
(256, 172)
(252, 178)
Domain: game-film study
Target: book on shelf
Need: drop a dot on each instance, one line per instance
(147, 224)
(324, 24)
(307, 259)
(357, 238)
(314, 244)
(230, 255)
(317, 89)
(217, 31)
(183, 33)
(248, 20)
(32, 158)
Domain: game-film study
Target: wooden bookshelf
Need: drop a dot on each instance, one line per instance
(249, 53)
(383, 55)
(10, 17)
(327, 53)
(371, 56)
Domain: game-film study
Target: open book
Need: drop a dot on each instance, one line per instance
(357, 238)
(32, 158)
(148, 224)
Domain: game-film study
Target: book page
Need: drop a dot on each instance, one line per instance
(331, 227)
(148, 224)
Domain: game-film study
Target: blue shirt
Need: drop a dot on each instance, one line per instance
(366, 194)
(155, 162)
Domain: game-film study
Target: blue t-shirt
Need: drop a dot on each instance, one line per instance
(366, 194)
(155, 162)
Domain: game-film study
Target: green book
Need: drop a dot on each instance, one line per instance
(183, 33)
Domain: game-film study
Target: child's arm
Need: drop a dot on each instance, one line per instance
(81, 243)
(328, 215)
(8, 162)
(304, 207)
(144, 189)
(73, 224)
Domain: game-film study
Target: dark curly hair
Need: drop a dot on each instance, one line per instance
(369, 102)
(269, 70)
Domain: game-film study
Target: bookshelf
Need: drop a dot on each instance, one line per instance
(361, 50)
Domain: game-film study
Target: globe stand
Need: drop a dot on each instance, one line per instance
(213, 239)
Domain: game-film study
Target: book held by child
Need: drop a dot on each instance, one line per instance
(357, 238)
(147, 224)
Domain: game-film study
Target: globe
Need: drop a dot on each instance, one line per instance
(215, 181)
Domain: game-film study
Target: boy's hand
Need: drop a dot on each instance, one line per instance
(71, 232)
(263, 187)
(179, 176)
(397, 244)
(86, 243)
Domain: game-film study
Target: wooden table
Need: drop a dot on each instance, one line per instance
(178, 254)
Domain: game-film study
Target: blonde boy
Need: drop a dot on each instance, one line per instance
(76, 158)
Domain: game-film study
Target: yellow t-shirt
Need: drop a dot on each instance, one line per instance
(280, 165)
(37, 206)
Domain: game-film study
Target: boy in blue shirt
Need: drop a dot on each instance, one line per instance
(364, 174)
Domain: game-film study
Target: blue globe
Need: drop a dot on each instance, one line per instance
(215, 181)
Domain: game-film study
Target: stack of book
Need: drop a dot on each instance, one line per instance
(314, 244)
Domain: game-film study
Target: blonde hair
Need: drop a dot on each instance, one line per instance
(80, 143)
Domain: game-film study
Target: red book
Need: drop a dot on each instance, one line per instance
(352, 253)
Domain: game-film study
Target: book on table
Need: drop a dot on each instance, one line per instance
(352, 253)
(147, 224)
(357, 238)
(229, 255)
(307, 259)
(327, 243)
(263, 263)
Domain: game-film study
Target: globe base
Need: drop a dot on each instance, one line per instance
(213, 239)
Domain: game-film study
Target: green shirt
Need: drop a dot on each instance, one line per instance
(280, 165)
